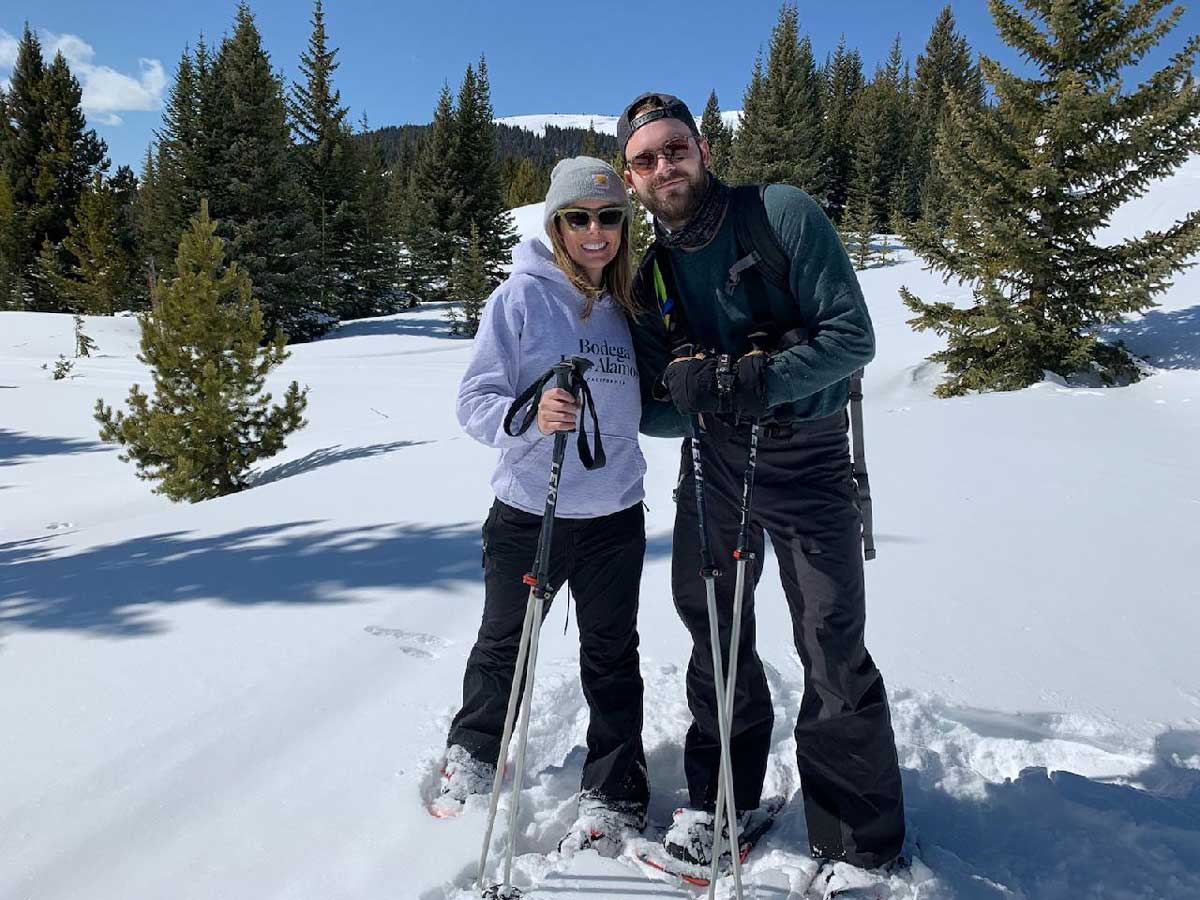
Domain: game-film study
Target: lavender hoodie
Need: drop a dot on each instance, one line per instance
(530, 322)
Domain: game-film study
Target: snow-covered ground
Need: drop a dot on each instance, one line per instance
(245, 698)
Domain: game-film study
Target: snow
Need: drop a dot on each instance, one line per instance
(247, 697)
(601, 123)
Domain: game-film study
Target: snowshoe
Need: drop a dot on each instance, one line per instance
(462, 776)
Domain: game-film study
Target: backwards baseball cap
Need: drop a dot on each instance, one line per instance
(672, 108)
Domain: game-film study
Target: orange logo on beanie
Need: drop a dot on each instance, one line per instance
(601, 179)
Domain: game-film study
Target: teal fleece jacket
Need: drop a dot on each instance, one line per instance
(807, 381)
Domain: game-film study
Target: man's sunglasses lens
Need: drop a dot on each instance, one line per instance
(672, 151)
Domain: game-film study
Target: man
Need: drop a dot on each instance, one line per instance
(693, 289)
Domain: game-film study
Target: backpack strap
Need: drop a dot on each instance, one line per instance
(862, 481)
(757, 239)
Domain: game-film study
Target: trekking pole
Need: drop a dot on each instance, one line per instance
(709, 572)
(741, 554)
(567, 374)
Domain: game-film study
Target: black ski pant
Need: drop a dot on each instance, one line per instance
(804, 499)
(601, 558)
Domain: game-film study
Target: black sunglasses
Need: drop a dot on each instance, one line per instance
(578, 218)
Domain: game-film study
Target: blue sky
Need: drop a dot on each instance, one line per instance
(543, 56)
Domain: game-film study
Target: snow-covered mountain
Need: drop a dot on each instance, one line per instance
(603, 124)
(246, 698)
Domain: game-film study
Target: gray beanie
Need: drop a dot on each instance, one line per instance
(583, 178)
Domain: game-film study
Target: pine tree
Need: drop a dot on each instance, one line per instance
(719, 136)
(432, 204)
(98, 278)
(880, 138)
(10, 281)
(750, 144)
(863, 224)
(254, 190)
(71, 156)
(1034, 180)
(945, 65)
(403, 217)
(470, 286)
(780, 136)
(84, 345)
(331, 173)
(208, 420)
(590, 146)
(525, 185)
(483, 206)
(124, 187)
(372, 253)
(25, 121)
(844, 85)
(170, 197)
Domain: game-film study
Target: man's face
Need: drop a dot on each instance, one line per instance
(672, 191)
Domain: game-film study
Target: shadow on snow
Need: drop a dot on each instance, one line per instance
(327, 456)
(1169, 340)
(104, 589)
(415, 322)
(17, 446)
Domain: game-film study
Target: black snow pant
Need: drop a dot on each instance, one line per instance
(804, 499)
(602, 559)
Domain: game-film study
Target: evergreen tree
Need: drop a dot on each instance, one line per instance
(470, 286)
(71, 156)
(372, 251)
(10, 281)
(880, 138)
(254, 190)
(404, 214)
(331, 173)
(750, 145)
(1032, 182)
(945, 65)
(84, 345)
(862, 222)
(208, 420)
(24, 122)
(780, 136)
(719, 136)
(433, 200)
(170, 197)
(98, 278)
(844, 85)
(590, 146)
(526, 184)
(481, 198)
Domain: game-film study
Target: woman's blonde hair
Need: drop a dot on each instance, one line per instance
(617, 278)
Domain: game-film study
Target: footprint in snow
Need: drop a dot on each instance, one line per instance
(413, 643)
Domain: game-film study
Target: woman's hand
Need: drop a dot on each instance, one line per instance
(557, 411)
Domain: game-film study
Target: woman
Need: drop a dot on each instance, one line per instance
(574, 300)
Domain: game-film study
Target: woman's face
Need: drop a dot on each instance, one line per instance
(591, 247)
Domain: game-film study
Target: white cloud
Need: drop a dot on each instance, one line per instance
(8, 50)
(105, 90)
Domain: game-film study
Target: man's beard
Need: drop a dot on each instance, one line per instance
(676, 210)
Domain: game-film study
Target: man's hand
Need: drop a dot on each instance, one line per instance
(557, 411)
(750, 389)
(692, 384)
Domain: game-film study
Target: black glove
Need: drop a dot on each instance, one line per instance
(692, 384)
(695, 385)
(750, 388)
